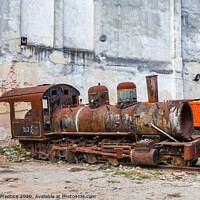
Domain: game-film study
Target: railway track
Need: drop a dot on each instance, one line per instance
(168, 167)
(176, 168)
(164, 167)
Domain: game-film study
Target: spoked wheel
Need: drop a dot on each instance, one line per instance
(52, 155)
(90, 158)
(70, 156)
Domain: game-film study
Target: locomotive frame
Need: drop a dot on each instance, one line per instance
(46, 129)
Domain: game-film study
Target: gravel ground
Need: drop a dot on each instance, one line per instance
(43, 180)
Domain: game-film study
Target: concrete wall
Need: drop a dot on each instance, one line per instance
(84, 43)
(134, 29)
(191, 46)
(78, 24)
(37, 22)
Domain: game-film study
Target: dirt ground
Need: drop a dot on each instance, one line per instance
(44, 180)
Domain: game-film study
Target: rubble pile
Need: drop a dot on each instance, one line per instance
(13, 154)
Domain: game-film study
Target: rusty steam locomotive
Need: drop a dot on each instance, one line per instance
(57, 125)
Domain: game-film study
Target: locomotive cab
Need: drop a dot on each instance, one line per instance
(31, 109)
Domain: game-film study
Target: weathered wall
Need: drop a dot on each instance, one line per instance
(191, 46)
(37, 22)
(84, 43)
(134, 29)
(78, 24)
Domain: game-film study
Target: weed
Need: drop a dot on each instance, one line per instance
(156, 173)
(144, 176)
(139, 182)
(112, 181)
(21, 151)
(174, 195)
(133, 175)
(138, 179)
(108, 163)
(76, 169)
(128, 174)
(91, 170)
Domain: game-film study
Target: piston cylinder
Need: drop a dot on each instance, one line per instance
(151, 157)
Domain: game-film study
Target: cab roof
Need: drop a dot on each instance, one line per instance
(29, 92)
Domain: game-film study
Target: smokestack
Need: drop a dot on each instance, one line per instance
(152, 88)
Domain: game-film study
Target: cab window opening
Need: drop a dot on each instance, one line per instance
(65, 92)
(54, 92)
(46, 114)
(74, 100)
(23, 110)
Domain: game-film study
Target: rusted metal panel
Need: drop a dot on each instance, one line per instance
(126, 94)
(98, 96)
(127, 118)
(188, 151)
(84, 119)
(184, 100)
(144, 153)
(84, 150)
(144, 145)
(38, 119)
(176, 120)
(197, 141)
(191, 149)
(112, 120)
(29, 127)
(151, 157)
(21, 92)
(89, 133)
(196, 113)
(26, 129)
(126, 85)
(152, 88)
(64, 119)
(24, 92)
(196, 147)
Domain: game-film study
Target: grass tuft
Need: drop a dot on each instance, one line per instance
(133, 175)
(112, 181)
(174, 195)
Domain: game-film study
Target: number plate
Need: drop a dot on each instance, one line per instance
(26, 130)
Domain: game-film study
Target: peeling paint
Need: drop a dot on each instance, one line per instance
(58, 58)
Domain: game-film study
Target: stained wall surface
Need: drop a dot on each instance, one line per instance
(191, 46)
(84, 43)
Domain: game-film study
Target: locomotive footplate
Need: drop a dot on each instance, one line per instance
(182, 153)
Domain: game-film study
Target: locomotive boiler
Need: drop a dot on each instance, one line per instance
(57, 126)
(126, 116)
